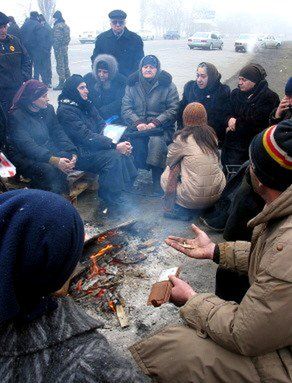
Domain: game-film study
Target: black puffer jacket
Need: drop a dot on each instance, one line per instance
(252, 111)
(106, 97)
(127, 49)
(216, 101)
(36, 137)
(29, 34)
(15, 64)
(83, 126)
(63, 346)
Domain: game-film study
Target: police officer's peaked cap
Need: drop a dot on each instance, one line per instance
(3, 19)
(117, 14)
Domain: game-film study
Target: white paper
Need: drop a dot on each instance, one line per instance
(114, 132)
(166, 273)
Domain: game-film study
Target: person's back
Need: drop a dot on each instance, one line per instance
(29, 32)
(13, 28)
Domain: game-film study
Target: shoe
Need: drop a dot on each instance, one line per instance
(59, 86)
(216, 223)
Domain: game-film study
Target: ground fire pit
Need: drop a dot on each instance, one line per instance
(103, 264)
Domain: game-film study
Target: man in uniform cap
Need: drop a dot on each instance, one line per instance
(15, 64)
(124, 45)
(251, 105)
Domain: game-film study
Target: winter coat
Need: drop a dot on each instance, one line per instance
(83, 127)
(201, 178)
(216, 102)
(63, 346)
(159, 105)
(127, 49)
(61, 34)
(45, 38)
(29, 34)
(252, 111)
(14, 30)
(15, 64)
(3, 125)
(287, 115)
(36, 137)
(107, 98)
(250, 341)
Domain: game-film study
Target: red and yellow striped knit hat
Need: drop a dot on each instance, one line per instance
(271, 156)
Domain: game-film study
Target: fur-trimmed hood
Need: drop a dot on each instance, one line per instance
(163, 78)
(111, 62)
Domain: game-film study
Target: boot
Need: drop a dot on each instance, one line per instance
(59, 86)
(156, 175)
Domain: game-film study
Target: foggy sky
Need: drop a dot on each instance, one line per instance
(84, 15)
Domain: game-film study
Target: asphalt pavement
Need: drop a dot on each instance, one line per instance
(175, 57)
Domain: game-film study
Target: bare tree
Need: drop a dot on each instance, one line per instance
(47, 8)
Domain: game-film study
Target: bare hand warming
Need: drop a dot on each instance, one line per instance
(231, 124)
(181, 291)
(65, 165)
(200, 247)
(124, 148)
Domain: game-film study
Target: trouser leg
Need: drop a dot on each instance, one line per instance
(60, 68)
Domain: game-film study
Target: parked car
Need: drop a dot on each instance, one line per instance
(205, 40)
(88, 37)
(146, 35)
(171, 35)
(271, 41)
(247, 43)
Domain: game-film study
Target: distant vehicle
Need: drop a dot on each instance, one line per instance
(271, 41)
(146, 35)
(247, 43)
(88, 37)
(171, 35)
(205, 40)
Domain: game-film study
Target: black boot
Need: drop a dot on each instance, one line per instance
(156, 175)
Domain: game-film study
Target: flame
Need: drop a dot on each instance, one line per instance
(100, 293)
(112, 306)
(103, 237)
(102, 251)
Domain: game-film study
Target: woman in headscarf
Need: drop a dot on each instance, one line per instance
(44, 338)
(96, 152)
(37, 145)
(194, 156)
(149, 109)
(208, 90)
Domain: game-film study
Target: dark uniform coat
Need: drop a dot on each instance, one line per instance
(127, 49)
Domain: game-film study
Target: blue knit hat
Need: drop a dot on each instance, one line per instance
(288, 87)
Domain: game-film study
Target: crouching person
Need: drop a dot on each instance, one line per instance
(37, 146)
(226, 342)
(96, 153)
(149, 109)
(194, 157)
(44, 338)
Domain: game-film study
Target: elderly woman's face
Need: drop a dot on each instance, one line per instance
(149, 71)
(202, 78)
(42, 102)
(82, 89)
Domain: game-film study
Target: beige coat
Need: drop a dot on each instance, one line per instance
(247, 342)
(202, 179)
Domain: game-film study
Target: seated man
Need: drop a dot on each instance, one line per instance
(96, 153)
(106, 87)
(226, 342)
(251, 105)
(149, 109)
(284, 110)
(36, 145)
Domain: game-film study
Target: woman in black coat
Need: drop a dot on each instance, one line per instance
(209, 91)
(96, 153)
(106, 87)
(36, 144)
(44, 338)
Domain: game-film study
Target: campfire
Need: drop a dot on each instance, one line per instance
(101, 273)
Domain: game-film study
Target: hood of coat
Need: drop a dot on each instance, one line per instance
(163, 78)
(111, 63)
(279, 208)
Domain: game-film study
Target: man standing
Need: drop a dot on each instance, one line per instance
(43, 66)
(124, 45)
(29, 35)
(15, 64)
(61, 40)
(226, 342)
(13, 28)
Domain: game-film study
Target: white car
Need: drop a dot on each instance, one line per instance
(146, 35)
(88, 37)
(247, 43)
(205, 40)
(271, 41)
